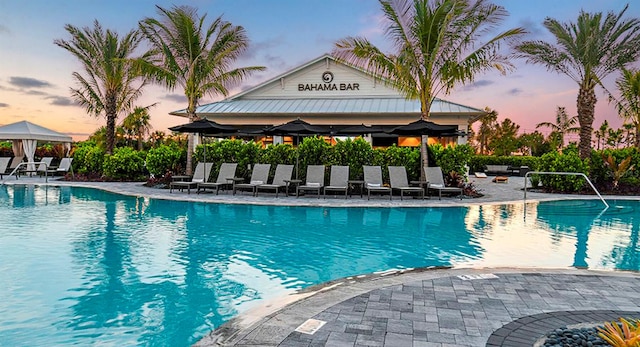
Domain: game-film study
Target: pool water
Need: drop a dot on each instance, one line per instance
(86, 267)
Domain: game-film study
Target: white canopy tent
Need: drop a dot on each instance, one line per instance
(25, 136)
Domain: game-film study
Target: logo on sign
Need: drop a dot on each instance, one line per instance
(327, 77)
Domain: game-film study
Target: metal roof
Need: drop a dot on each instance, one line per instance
(329, 106)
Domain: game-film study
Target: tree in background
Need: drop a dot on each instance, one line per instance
(486, 130)
(628, 105)
(138, 123)
(563, 125)
(197, 57)
(505, 139)
(532, 143)
(107, 86)
(601, 135)
(587, 51)
(438, 45)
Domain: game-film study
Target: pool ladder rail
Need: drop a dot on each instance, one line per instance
(563, 174)
(36, 164)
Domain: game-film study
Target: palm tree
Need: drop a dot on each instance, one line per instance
(563, 125)
(107, 86)
(195, 56)
(137, 123)
(488, 123)
(601, 134)
(629, 104)
(437, 47)
(587, 51)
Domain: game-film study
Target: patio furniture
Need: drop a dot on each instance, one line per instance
(314, 181)
(436, 182)
(4, 163)
(373, 181)
(63, 167)
(338, 180)
(283, 173)
(201, 174)
(259, 175)
(227, 170)
(398, 181)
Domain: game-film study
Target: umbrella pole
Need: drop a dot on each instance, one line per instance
(297, 156)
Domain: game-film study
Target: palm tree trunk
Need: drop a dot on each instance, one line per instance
(586, 109)
(111, 116)
(637, 139)
(190, 147)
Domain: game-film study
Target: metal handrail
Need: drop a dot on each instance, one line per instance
(564, 174)
(46, 167)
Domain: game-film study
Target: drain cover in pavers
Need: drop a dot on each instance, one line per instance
(477, 277)
(310, 326)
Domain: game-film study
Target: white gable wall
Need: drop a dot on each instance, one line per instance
(347, 82)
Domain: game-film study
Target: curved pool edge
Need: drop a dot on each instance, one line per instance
(270, 323)
(495, 194)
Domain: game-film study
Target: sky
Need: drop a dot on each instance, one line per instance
(36, 75)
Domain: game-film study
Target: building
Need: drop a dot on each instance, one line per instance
(328, 92)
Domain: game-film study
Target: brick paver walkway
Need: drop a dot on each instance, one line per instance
(449, 311)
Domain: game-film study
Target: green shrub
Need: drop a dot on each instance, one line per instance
(94, 159)
(165, 158)
(354, 153)
(599, 172)
(454, 159)
(88, 158)
(125, 164)
(312, 151)
(409, 157)
(568, 161)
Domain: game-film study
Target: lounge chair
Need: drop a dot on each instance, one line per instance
(42, 168)
(14, 164)
(259, 175)
(398, 181)
(338, 181)
(436, 182)
(63, 167)
(373, 181)
(283, 174)
(4, 163)
(227, 171)
(201, 174)
(314, 181)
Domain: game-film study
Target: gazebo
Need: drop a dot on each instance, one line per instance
(25, 136)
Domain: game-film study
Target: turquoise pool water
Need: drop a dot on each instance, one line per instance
(86, 267)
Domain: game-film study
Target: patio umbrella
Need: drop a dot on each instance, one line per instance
(360, 130)
(205, 127)
(423, 127)
(296, 128)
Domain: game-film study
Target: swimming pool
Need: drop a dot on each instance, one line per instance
(80, 266)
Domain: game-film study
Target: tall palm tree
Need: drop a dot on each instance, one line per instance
(587, 51)
(563, 125)
(437, 46)
(197, 57)
(488, 123)
(107, 86)
(138, 124)
(629, 103)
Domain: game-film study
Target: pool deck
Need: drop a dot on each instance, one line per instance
(418, 307)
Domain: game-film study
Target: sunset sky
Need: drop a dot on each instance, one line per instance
(35, 74)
